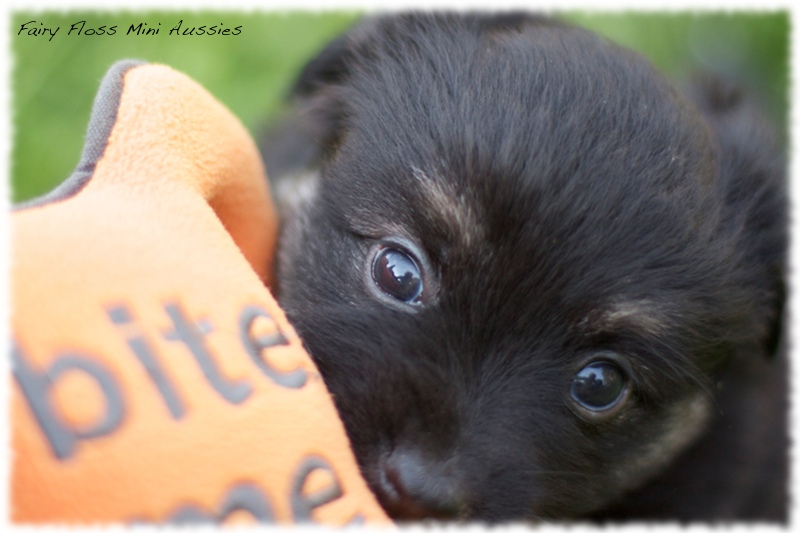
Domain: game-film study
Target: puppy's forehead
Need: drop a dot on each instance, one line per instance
(419, 204)
(517, 148)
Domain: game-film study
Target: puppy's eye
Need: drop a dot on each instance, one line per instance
(598, 386)
(398, 275)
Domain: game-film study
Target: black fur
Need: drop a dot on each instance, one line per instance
(566, 204)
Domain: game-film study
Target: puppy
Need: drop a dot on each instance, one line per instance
(539, 282)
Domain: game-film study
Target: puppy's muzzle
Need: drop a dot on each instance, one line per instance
(412, 487)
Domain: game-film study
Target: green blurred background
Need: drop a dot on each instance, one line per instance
(54, 81)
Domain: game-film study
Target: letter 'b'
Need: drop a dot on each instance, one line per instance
(36, 388)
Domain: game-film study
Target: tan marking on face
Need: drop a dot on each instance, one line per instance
(446, 204)
(685, 422)
(641, 315)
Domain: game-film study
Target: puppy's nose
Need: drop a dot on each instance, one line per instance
(413, 488)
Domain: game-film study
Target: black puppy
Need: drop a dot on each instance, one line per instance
(539, 282)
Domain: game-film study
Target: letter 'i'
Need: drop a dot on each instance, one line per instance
(122, 318)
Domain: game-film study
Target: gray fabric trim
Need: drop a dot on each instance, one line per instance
(101, 122)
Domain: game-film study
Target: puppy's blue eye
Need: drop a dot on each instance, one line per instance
(397, 274)
(598, 386)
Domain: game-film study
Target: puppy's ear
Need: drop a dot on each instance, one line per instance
(318, 90)
(312, 128)
(752, 172)
(327, 68)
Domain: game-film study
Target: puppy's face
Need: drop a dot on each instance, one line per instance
(511, 268)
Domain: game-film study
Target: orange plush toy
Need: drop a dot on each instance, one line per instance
(155, 379)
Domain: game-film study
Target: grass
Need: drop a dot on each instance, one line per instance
(54, 81)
